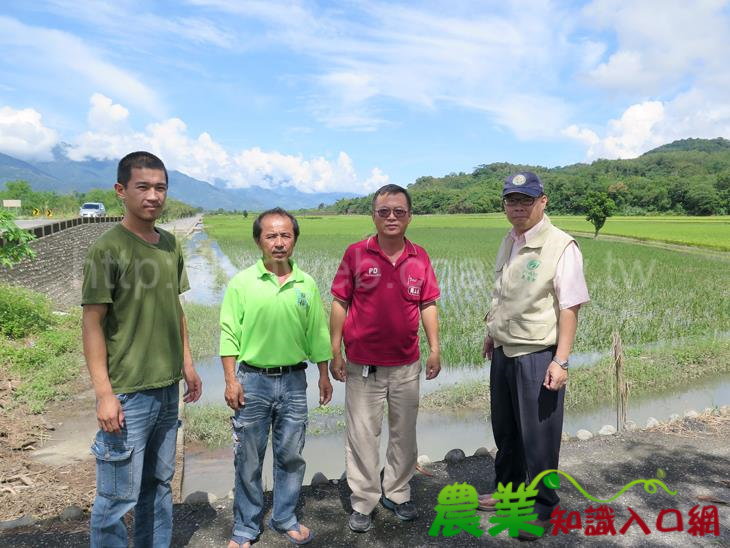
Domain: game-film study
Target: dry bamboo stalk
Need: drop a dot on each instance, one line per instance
(622, 387)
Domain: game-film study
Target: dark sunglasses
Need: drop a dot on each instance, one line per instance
(384, 212)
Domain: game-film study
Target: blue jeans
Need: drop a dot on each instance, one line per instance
(134, 469)
(279, 403)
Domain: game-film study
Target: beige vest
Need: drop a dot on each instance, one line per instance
(523, 317)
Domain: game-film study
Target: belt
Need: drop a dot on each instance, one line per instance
(273, 371)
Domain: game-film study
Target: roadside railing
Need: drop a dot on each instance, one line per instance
(58, 226)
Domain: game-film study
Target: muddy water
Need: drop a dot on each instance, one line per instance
(212, 470)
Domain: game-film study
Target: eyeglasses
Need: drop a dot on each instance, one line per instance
(525, 201)
(384, 212)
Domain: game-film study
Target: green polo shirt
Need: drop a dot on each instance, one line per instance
(267, 325)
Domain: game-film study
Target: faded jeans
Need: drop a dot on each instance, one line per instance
(134, 469)
(278, 403)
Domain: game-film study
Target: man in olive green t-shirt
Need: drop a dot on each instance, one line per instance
(136, 348)
(272, 320)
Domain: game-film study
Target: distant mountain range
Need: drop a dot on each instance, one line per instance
(64, 176)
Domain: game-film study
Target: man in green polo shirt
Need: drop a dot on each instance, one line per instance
(272, 320)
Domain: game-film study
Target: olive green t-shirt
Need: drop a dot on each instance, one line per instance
(140, 282)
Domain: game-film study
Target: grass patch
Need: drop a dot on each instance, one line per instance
(210, 424)
(649, 373)
(23, 312)
(44, 363)
(327, 411)
(326, 419)
(472, 395)
(709, 232)
(203, 329)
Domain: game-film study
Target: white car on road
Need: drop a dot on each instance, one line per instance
(92, 209)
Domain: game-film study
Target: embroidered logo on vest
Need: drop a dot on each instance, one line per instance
(529, 273)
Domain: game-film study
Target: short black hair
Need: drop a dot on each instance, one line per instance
(274, 211)
(138, 160)
(392, 189)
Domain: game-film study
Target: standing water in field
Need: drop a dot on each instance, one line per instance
(438, 431)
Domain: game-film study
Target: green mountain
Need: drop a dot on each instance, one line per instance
(718, 144)
(691, 176)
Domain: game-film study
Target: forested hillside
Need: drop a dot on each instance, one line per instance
(691, 176)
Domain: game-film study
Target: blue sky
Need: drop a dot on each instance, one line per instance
(350, 95)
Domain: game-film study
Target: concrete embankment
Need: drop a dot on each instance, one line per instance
(57, 268)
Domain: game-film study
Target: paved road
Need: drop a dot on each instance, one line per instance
(32, 223)
(178, 226)
(183, 227)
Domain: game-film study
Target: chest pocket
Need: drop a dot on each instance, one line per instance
(412, 284)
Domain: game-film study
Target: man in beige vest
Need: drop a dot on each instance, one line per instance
(531, 324)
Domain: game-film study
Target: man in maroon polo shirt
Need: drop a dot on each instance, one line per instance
(382, 287)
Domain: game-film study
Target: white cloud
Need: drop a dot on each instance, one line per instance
(376, 54)
(23, 135)
(530, 116)
(56, 59)
(659, 42)
(376, 180)
(700, 112)
(581, 134)
(136, 24)
(205, 159)
(104, 114)
(272, 169)
(627, 137)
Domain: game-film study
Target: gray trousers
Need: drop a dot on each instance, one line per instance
(527, 421)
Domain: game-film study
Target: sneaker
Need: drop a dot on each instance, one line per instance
(404, 512)
(360, 523)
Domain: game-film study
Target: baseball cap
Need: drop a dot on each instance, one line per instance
(524, 182)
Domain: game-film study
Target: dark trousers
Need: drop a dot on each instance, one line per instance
(527, 421)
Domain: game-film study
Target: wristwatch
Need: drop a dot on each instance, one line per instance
(561, 363)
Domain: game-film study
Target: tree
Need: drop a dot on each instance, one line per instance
(598, 207)
(245, 213)
(15, 242)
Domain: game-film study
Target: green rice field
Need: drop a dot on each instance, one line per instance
(708, 232)
(649, 294)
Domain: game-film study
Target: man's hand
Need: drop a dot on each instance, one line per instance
(234, 395)
(325, 390)
(433, 366)
(555, 377)
(109, 413)
(193, 384)
(337, 368)
(488, 347)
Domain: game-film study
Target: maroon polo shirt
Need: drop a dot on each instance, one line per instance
(382, 320)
